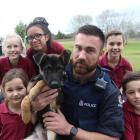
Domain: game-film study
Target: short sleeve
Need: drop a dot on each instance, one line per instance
(111, 114)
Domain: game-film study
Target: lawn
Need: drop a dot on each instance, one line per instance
(131, 51)
(68, 43)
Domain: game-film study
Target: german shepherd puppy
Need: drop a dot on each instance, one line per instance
(52, 73)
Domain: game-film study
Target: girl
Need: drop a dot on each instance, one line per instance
(12, 48)
(14, 85)
(39, 39)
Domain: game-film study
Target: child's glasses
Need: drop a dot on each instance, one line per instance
(36, 36)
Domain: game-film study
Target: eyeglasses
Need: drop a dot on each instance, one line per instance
(36, 36)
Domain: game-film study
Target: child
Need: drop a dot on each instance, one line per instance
(113, 60)
(12, 47)
(40, 39)
(131, 89)
(14, 85)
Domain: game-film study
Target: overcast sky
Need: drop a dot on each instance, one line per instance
(57, 12)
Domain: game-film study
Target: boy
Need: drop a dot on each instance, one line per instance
(113, 60)
(131, 108)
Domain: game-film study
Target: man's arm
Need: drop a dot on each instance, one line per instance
(57, 123)
(46, 96)
(85, 135)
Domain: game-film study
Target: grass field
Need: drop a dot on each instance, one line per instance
(131, 51)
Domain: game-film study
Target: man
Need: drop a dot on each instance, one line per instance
(91, 110)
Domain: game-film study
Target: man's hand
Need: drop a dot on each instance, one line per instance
(46, 96)
(57, 123)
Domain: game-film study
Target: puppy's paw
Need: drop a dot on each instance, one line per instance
(26, 102)
(26, 109)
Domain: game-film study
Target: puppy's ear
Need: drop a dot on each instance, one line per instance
(38, 57)
(66, 56)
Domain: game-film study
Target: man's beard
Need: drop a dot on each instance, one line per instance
(81, 68)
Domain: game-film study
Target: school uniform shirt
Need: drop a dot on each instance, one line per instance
(132, 123)
(11, 125)
(93, 105)
(119, 71)
(55, 48)
(23, 62)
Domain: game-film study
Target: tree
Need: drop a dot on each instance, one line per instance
(21, 29)
(79, 20)
(59, 35)
(108, 20)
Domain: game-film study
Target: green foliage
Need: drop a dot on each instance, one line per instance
(59, 35)
(131, 51)
(21, 29)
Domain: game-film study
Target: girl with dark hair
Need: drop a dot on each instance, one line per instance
(39, 39)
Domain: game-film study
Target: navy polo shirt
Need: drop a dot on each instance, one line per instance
(90, 107)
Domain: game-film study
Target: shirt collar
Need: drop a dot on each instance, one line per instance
(5, 109)
(128, 107)
(105, 60)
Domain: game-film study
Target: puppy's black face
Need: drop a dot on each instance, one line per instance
(52, 68)
(52, 71)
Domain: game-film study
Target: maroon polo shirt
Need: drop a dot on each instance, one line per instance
(12, 126)
(132, 123)
(119, 71)
(56, 48)
(24, 63)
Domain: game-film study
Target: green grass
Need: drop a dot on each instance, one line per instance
(67, 43)
(131, 51)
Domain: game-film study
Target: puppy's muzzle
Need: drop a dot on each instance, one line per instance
(55, 84)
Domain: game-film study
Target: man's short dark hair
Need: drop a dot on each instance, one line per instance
(92, 30)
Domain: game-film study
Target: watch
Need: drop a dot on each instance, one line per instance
(73, 131)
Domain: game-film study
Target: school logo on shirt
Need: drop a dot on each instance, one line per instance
(85, 104)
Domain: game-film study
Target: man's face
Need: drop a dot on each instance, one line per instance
(86, 53)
